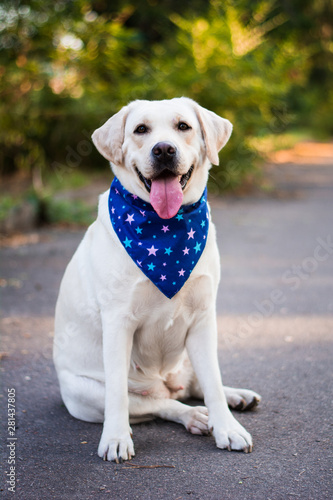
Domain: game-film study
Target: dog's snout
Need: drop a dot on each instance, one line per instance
(164, 151)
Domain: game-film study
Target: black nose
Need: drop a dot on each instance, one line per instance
(164, 151)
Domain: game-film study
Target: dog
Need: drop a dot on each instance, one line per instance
(128, 346)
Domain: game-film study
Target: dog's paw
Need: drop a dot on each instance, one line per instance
(231, 435)
(242, 399)
(196, 420)
(116, 449)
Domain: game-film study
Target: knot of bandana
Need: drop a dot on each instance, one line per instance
(166, 251)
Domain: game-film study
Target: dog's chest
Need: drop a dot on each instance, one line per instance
(159, 341)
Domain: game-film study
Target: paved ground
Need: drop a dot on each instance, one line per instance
(275, 312)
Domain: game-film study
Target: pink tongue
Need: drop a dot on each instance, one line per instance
(166, 196)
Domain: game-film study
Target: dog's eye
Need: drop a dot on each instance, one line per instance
(141, 129)
(183, 126)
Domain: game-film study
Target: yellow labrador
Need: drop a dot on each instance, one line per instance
(125, 351)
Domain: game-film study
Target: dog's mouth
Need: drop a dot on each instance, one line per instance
(166, 191)
(182, 179)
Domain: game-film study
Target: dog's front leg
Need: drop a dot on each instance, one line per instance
(116, 441)
(202, 349)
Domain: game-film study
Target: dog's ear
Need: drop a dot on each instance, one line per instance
(216, 131)
(109, 138)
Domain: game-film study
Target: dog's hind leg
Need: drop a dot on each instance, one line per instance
(194, 418)
(83, 396)
(241, 399)
(238, 399)
(84, 399)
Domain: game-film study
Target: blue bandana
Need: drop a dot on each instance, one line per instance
(166, 250)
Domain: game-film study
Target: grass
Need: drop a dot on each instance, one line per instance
(66, 212)
(71, 211)
(49, 209)
(275, 142)
(72, 180)
(7, 203)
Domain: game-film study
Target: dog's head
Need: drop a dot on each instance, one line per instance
(162, 150)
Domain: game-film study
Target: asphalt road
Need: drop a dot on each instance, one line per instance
(275, 314)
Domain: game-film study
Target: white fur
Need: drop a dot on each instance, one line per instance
(122, 350)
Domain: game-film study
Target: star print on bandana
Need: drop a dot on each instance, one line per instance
(165, 252)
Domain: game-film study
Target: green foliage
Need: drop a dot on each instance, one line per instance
(68, 212)
(7, 203)
(66, 66)
(73, 179)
